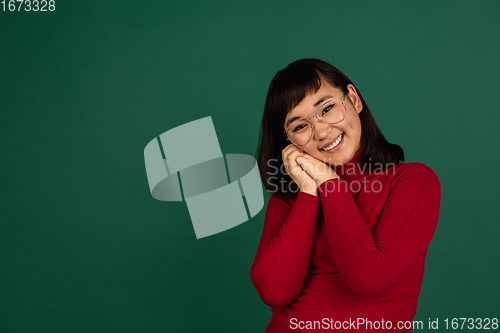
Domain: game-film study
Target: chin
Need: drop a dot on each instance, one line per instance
(342, 158)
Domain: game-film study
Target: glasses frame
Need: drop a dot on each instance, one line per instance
(315, 112)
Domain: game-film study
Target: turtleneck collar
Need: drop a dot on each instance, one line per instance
(352, 169)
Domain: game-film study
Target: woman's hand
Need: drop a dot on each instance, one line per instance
(305, 182)
(316, 169)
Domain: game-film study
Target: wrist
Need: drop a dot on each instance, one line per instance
(310, 188)
(324, 180)
(311, 192)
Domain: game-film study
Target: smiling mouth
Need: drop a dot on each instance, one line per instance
(334, 144)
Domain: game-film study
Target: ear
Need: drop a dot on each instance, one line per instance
(354, 97)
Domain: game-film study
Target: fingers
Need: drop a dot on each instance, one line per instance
(288, 151)
(290, 154)
(291, 166)
(315, 168)
(306, 164)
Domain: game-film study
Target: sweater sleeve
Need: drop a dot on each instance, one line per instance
(370, 263)
(282, 260)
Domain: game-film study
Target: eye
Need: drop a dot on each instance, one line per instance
(327, 109)
(299, 127)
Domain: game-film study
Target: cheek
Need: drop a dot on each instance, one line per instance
(310, 149)
(355, 125)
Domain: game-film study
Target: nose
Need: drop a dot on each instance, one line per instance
(321, 130)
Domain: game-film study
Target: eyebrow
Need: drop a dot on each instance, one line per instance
(321, 100)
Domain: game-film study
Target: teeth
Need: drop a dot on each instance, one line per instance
(334, 144)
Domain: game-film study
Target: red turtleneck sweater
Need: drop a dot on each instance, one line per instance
(351, 256)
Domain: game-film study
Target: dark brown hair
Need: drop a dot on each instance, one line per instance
(287, 89)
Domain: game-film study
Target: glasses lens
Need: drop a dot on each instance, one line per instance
(299, 132)
(331, 112)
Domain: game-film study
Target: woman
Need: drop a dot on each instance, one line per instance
(347, 225)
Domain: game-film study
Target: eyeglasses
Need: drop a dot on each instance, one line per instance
(333, 111)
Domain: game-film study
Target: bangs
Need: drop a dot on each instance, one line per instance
(289, 88)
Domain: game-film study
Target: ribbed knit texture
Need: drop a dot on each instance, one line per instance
(356, 251)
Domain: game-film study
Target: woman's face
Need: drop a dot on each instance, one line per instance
(325, 135)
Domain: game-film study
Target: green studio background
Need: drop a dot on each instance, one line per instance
(83, 245)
